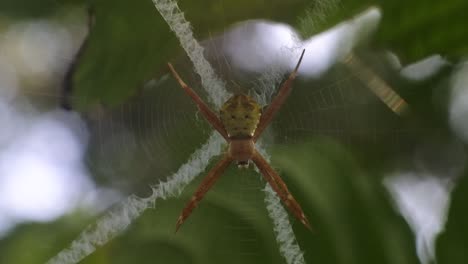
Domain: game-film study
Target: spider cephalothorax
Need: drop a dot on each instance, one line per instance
(241, 122)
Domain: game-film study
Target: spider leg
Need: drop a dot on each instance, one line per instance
(211, 117)
(280, 188)
(277, 102)
(205, 185)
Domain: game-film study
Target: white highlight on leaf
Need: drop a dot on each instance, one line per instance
(37, 47)
(423, 201)
(458, 109)
(39, 163)
(424, 68)
(174, 17)
(122, 215)
(263, 46)
(393, 60)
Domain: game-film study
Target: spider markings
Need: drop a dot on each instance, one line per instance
(240, 116)
(241, 124)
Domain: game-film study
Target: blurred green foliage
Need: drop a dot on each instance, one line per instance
(331, 156)
(452, 244)
(118, 47)
(122, 56)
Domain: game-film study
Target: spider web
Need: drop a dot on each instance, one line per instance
(139, 131)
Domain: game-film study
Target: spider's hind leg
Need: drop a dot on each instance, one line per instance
(278, 185)
(205, 185)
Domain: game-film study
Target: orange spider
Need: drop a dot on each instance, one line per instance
(241, 122)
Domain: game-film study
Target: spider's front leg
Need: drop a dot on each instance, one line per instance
(278, 185)
(277, 102)
(211, 117)
(205, 185)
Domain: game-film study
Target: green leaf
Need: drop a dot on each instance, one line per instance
(453, 242)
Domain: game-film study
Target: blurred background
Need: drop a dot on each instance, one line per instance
(371, 141)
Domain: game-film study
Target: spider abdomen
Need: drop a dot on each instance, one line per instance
(240, 116)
